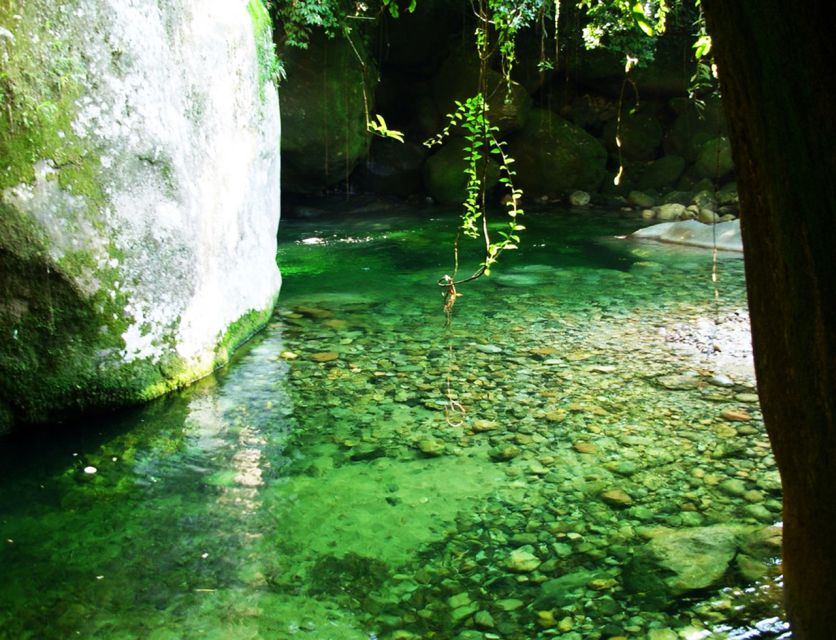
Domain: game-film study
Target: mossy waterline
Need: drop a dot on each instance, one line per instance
(314, 486)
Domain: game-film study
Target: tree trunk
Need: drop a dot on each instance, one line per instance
(779, 90)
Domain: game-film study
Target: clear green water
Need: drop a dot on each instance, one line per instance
(288, 497)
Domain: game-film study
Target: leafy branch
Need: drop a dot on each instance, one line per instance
(381, 129)
(482, 143)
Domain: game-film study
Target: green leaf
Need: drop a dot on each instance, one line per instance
(702, 46)
(641, 20)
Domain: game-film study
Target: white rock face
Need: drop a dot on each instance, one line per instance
(724, 235)
(157, 201)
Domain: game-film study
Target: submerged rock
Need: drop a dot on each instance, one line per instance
(522, 561)
(139, 197)
(677, 562)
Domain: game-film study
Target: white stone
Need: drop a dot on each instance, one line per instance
(723, 235)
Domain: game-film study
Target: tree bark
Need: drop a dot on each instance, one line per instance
(776, 61)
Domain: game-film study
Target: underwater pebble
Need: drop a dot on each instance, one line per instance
(617, 498)
(735, 415)
(522, 561)
(488, 348)
(581, 446)
(324, 356)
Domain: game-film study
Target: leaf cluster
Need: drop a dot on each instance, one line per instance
(627, 27)
(481, 143)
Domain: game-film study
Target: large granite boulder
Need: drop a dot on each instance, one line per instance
(640, 134)
(444, 173)
(555, 157)
(693, 126)
(392, 168)
(677, 562)
(139, 197)
(714, 159)
(324, 112)
(659, 174)
(458, 79)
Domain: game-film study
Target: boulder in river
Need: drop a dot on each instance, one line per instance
(554, 156)
(139, 197)
(677, 562)
(444, 176)
(723, 235)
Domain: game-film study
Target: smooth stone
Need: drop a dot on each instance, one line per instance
(759, 512)
(707, 216)
(510, 604)
(503, 454)
(579, 198)
(753, 496)
(641, 199)
(431, 447)
(679, 381)
(617, 498)
(522, 539)
(732, 487)
(488, 348)
(565, 624)
(462, 613)
(324, 356)
(623, 467)
(522, 561)
(721, 380)
(735, 415)
(671, 211)
(581, 446)
(481, 426)
(336, 324)
(484, 620)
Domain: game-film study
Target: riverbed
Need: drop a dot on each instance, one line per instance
(367, 467)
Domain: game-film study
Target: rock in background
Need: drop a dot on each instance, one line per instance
(139, 197)
(560, 125)
(323, 112)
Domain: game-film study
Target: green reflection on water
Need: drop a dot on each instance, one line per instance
(314, 488)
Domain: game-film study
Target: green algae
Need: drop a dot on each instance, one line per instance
(268, 62)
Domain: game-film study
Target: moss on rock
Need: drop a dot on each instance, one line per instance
(555, 157)
(109, 229)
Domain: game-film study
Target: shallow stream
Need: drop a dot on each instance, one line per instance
(361, 470)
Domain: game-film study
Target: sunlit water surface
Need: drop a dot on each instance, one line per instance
(323, 486)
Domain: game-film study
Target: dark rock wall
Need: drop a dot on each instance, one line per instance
(561, 125)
